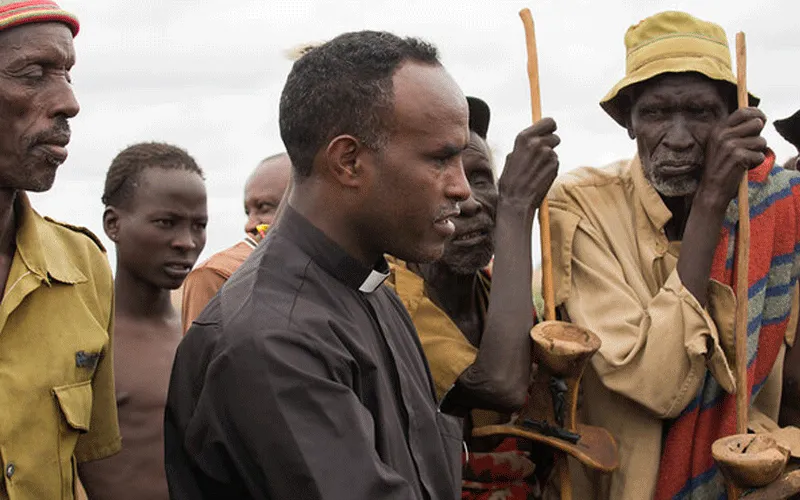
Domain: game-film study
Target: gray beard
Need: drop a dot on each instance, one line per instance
(676, 186)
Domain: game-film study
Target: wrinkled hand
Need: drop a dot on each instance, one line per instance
(531, 167)
(733, 148)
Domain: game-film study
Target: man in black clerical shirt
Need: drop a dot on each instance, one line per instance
(303, 378)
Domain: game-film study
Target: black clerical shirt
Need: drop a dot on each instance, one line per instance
(304, 379)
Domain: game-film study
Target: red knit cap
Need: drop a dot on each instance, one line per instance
(15, 13)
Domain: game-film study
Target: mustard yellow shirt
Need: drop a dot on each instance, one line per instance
(446, 348)
(57, 404)
(615, 272)
(449, 353)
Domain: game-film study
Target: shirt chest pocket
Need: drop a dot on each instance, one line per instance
(74, 403)
(451, 431)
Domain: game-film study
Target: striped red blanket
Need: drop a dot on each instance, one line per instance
(687, 469)
(507, 473)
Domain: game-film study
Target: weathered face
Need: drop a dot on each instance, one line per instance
(162, 229)
(417, 178)
(472, 246)
(264, 191)
(36, 100)
(672, 119)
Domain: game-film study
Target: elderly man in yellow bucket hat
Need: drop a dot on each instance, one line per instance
(643, 251)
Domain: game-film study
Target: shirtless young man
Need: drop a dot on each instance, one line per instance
(156, 215)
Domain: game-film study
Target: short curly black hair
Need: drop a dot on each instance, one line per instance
(123, 174)
(344, 86)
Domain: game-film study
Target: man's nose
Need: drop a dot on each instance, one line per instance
(64, 101)
(457, 187)
(184, 239)
(251, 224)
(470, 206)
(678, 136)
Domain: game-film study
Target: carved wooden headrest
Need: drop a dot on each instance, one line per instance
(750, 460)
(562, 347)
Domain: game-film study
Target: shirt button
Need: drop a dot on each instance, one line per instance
(10, 468)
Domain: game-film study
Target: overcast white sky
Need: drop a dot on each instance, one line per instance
(208, 75)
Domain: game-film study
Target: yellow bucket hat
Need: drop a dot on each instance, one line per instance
(671, 42)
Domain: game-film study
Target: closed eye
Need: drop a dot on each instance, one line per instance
(32, 72)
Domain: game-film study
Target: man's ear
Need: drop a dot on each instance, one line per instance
(627, 110)
(345, 156)
(111, 223)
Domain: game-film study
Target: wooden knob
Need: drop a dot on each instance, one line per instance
(750, 460)
(562, 347)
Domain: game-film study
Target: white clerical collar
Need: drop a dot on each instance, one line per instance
(373, 281)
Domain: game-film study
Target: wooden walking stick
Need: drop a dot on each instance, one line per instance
(544, 210)
(742, 262)
(544, 223)
(742, 259)
(562, 351)
(748, 460)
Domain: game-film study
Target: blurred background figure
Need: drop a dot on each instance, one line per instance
(262, 195)
(789, 128)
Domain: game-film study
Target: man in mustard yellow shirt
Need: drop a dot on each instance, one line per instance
(57, 406)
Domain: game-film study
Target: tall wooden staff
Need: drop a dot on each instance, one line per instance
(742, 264)
(742, 259)
(544, 222)
(544, 209)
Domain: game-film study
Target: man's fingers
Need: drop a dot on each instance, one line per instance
(748, 128)
(752, 158)
(746, 158)
(550, 141)
(545, 126)
(745, 114)
(756, 144)
(546, 163)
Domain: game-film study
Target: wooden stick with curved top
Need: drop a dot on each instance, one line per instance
(544, 210)
(544, 223)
